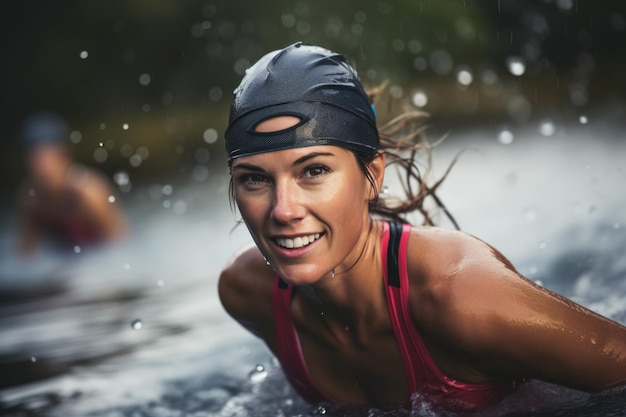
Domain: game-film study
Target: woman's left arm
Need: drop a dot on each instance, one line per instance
(515, 327)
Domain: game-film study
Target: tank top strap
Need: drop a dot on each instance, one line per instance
(289, 351)
(394, 243)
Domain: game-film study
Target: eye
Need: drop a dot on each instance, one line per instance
(314, 171)
(251, 179)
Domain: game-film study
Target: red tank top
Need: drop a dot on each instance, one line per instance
(423, 375)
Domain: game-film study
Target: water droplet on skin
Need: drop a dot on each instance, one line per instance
(136, 324)
(258, 374)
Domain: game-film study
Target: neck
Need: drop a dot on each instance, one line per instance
(355, 288)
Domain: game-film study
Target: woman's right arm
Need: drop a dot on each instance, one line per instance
(245, 290)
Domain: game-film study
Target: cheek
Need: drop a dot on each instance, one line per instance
(251, 209)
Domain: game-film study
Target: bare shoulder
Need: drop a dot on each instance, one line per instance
(458, 282)
(245, 290)
(472, 298)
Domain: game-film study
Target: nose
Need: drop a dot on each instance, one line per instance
(287, 206)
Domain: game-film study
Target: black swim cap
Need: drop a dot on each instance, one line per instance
(311, 83)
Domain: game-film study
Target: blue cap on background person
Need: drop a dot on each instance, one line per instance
(44, 128)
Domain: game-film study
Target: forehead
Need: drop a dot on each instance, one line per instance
(292, 155)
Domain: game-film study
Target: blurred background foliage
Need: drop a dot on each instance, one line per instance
(146, 84)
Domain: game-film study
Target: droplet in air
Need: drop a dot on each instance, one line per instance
(76, 137)
(111, 199)
(547, 128)
(505, 137)
(76, 249)
(121, 178)
(583, 120)
(167, 189)
(161, 283)
(516, 65)
(321, 410)
(83, 54)
(210, 135)
(419, 98)
(33, 359)
(125, 126)
(464, 76)
(136, 324)
(258, 374)
(144, 79)
(100, 155)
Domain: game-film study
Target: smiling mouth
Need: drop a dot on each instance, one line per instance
(298, 242)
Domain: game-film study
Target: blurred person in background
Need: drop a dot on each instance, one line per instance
(60, 200)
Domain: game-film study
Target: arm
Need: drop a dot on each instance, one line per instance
(510, 326)
(106, 217)
(245, 290)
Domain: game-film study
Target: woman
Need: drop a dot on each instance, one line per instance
(362, 309)
(61, 199)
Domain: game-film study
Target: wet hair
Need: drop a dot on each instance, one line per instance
(402, 139)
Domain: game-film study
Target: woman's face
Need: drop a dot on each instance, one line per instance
(306, 208)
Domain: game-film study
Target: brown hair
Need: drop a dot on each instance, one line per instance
(402, 139)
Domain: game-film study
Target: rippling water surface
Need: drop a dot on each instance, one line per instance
(137, 330)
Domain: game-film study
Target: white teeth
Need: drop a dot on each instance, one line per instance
(297, 242)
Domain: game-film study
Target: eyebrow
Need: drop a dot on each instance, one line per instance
(298, 161)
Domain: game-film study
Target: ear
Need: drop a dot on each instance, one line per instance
(377, 169)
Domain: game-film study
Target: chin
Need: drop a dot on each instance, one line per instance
(299, 276)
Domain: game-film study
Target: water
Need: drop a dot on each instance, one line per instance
(137, 329)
